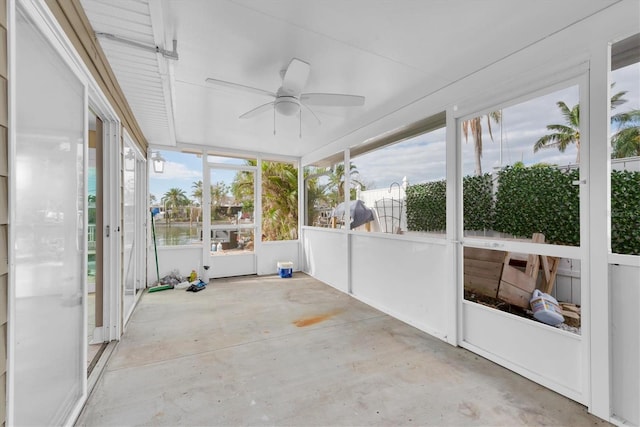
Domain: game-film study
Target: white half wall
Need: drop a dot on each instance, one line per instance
(405, 279)
(325, 256)
(273, 252)
(625, 343)
(181, 258)
(231, 264)
(544, 354)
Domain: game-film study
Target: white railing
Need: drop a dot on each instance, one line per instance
(91, 231)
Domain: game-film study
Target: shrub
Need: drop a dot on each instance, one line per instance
(478, 203)
(539, 199)
(625, 212)
(426, 206)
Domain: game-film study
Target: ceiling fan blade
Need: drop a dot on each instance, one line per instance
(295, 78)
(332, 99)
(238, 86)
(259, 109)
(312, 113)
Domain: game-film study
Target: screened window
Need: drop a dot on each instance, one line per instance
(403, 185)
(324, 191)
(279, 201)
(520, 165)
(625, 147)
(233, 204)
(176, 196)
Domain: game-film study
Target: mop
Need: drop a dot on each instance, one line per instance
(157, 287)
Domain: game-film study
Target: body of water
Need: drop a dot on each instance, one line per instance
(175, 234)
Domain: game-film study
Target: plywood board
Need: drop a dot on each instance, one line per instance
(484, 254)
(483, 268)
(481, 285)
(514, 295)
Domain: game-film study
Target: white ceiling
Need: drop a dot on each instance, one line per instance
(391, 52)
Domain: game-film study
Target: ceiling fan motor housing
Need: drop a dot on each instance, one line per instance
(287, 105)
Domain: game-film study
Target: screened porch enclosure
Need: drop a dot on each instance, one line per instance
(454, 215)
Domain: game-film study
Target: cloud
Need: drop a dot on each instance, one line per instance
(423, 158)
(175, 171)
(175, 175)
(420, 159)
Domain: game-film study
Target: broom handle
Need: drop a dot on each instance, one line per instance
(155, 247)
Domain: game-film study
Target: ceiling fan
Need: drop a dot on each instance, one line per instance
(289, 98)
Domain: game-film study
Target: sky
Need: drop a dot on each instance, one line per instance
(422, 158)
(182, 170)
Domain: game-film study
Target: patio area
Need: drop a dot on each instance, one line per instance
(270, 351)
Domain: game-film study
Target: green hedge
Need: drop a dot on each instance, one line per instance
(477, 193)
(528, 200)
(426, 206)
(625, 212)
(539, 200)
(431, 198)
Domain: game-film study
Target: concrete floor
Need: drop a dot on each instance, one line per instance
(271, 351)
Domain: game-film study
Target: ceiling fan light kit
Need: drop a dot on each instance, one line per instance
(287, 105)
(289, 98)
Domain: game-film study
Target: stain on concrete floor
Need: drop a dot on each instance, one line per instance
(312, 320)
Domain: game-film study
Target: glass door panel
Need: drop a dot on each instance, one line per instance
(129, 229)
(232, 209)
(521, 169)
(233, 225)
(49, 234)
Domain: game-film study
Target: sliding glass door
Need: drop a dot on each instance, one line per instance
(133, 227)
(49, 234)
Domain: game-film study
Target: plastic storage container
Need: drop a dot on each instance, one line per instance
(285, 269)
(546, 308)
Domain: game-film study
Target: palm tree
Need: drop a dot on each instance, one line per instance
(174, 197)
(315, 193)
(218, 191)
(279, 198)
(474, 127)
(626, 141)
(336, 181)
(569, 133)
(197, 191)
(563, 135)
(279, 201)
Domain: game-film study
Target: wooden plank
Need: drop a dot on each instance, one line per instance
(570, 307)
(514, 295)
(518, 279)
(484, 254)
(550, 271)
(481, 285)
(571, 318)
(533, 260)
(476, 267)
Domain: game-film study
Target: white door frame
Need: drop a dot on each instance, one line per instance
(577, 75)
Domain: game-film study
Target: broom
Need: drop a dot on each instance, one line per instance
(157, 287)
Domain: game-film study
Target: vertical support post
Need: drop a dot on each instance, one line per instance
(257, 215)
(206, 215)
(347, 214)
(302, 215)
(596, 205)
(454, 227)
